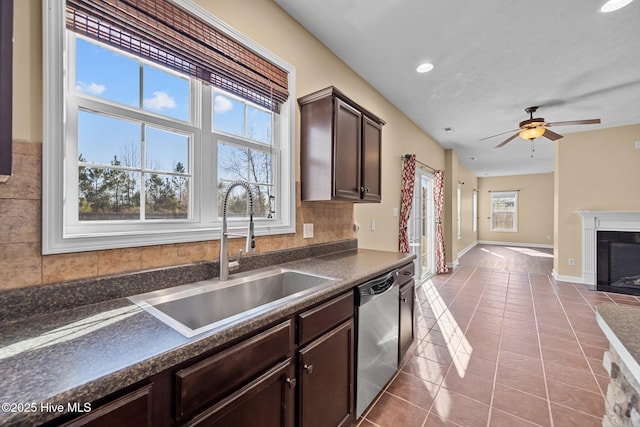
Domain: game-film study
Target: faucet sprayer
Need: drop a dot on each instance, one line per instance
(225, 265)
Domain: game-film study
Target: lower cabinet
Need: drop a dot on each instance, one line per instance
(326, 363)
(407, 297)
(407, 292)
(299, 372)
(325, 372)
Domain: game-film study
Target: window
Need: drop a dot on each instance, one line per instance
(141, 154)
(459, 211)
(504, 211)
(246, 152)
(474, 220)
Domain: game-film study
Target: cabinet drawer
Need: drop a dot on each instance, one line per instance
(132, 409)
(268, 401)
(405, 273)
(313, 323)
(214, 378)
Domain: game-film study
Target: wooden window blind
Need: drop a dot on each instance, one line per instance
(162, 32)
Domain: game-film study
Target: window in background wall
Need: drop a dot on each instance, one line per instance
(144, 133)
(459, 211)
(504, 211)
(474, 220)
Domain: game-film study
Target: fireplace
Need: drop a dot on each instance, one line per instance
(611, 251)
(618, 261)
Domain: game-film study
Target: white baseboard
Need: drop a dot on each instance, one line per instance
(467, 249)
(571, 279)
(526, 245)
(453, 264)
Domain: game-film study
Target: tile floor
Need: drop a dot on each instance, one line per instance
(500, 348)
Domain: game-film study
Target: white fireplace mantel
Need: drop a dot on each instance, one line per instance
(594, 221)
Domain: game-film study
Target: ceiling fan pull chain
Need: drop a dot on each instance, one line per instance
(532, 147)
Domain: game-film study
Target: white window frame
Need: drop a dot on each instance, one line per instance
(500, 194)
(60, 235)
(474, 220)
(459, 210)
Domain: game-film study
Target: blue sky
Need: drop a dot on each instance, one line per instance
(106, 74)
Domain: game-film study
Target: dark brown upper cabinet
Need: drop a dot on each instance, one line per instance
(340, 148)
(6, 66)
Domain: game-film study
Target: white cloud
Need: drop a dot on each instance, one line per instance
(222, 104)
(92, 88)
(159, 101)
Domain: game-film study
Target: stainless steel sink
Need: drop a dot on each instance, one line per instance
(203, 306)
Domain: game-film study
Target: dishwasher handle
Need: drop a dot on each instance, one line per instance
(377, 286)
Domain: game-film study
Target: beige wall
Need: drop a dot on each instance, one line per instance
(535, 208)
(596, 170)
(455, 173)
(316, 67)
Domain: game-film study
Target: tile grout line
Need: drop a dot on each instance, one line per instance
(576, 337)
(435, 395)
(544, 370)
(579, 345)
(441, 385)
(495, 371)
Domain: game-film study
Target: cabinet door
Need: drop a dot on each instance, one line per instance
(346, 151)
(371, 160)
(325, 374)
(406, 317)
(266, 402)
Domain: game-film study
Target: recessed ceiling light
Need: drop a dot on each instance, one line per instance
(424, 68)
(613, 5)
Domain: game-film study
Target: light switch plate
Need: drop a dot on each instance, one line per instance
(307, 231)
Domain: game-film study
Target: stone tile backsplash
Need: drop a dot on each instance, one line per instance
(23, 265)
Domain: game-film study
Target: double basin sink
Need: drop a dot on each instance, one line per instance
(212, 304)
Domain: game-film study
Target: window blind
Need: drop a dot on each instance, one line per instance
(162, 32)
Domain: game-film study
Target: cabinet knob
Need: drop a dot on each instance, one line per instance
(291, 382)
(366, 190)
(308, 368)
(404, 300)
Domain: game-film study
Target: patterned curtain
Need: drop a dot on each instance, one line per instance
(438, 196)
(408, 178)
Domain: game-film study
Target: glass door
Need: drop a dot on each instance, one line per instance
(422, 226)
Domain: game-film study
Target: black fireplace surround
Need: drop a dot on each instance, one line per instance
(618, 262)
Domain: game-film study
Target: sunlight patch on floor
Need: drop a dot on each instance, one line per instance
(530, 252)
(492, 253)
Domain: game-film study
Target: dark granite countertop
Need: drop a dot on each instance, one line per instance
(621, 326)
(85, 353)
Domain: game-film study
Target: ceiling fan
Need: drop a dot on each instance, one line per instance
(535, 127)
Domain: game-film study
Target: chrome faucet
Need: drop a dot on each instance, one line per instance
(225, 265)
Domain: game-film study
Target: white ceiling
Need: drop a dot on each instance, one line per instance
(492, 59)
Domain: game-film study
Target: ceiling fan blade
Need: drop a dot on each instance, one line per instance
(576, 122)
(503, 143)
(551, 135)
(503, 133)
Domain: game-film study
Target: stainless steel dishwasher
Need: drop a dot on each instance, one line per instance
(377, 316)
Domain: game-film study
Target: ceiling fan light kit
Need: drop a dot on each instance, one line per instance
(532, 133)
(535, 127)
